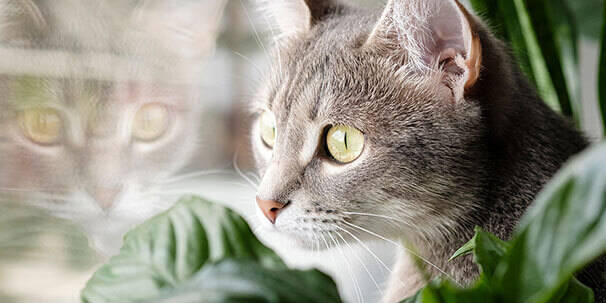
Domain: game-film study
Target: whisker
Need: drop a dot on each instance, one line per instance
(254, 65)
(361, 262)
(390, 220)
(255, 176)
(275, 40)
(353, 276)
(328, 247)
(254, 28)
(405, 248)
(313, 243)
(366, 247)
(376, 215)
(235, 162)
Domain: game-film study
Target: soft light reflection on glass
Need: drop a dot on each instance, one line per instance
(110, 111)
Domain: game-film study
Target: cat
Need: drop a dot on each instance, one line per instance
(413, 124)
(100, 105)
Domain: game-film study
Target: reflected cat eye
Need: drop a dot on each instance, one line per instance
(267, 128)
(344, 143)
(41, 125)
(150, 122)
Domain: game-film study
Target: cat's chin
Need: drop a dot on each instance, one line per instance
(303, 241)
(105, 234)
(105, 245)
(296, 238)
(316, 243)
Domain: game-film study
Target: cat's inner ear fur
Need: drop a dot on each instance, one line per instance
(435, 35)
(297, 16)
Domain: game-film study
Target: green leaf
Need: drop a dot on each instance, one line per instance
(466, 249)
(487, 250)
(502, 17)
(602, 75)
(588, 16)
(575, 292)
(544, 42)
(245, 281)
(538, 64)
(556, 31)
(446, 292)
(197, 245)
(563, 231)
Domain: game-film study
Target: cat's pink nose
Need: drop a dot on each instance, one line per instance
(270, 208)
(105, 196)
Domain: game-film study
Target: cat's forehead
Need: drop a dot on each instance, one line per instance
(338, 82)
(150, 28)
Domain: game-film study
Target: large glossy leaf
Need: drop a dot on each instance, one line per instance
(446, 292)
(245, 281)
(197, 245)
(563, 231)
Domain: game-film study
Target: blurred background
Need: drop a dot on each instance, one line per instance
(181, 73)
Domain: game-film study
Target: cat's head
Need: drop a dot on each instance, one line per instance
(101, 105)
(364, 122)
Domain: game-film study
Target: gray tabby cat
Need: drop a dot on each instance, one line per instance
(99, 105)
(413, 124)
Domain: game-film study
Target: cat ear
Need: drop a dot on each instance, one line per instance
(20, 22)
(188, 28)
(297, 16)
(431, 34)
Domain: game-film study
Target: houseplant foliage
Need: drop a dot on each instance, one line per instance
(544, 36)
(202, 252)
(564, 230)
(544, 41)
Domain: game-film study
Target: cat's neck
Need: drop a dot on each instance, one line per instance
(524, 145)
(526, 142)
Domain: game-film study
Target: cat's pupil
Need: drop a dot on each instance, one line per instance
(41, 121)
(345, 139)
(147, 120)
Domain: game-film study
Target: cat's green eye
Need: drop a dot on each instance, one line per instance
(150, 122)
(344, 143)
(267, 128)
(41, 125)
